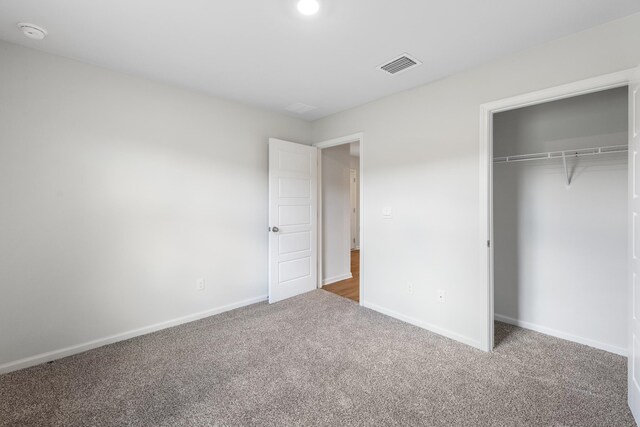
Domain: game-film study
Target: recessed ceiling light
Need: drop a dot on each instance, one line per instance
(32, 31)
(308, 7)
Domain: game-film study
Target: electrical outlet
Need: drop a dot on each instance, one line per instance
(410, 288)
(200, 284)
(442, 297)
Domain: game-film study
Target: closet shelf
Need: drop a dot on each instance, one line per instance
(560, 154)
(563, 155)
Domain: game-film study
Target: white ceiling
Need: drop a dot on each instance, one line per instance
(264, 53)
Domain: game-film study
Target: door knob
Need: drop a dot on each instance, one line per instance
(275, 229)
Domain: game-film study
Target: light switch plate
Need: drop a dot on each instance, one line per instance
(387, 212)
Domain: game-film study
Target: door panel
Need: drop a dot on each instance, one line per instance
(293, 219)
(294, 269)
(295, 188)
(634, 247)
(294, 242)
(294, 215)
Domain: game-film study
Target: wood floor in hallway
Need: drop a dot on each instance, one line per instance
(349, 288)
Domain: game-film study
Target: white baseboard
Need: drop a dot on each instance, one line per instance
(424, 325)
(80, 348)
(335, 279)
(565, 336)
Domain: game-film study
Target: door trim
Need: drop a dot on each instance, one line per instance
(356, 137)
(582, 87)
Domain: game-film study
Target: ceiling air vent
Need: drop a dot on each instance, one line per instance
(400, 64)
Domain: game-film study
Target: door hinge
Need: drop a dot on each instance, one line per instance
(488, 243)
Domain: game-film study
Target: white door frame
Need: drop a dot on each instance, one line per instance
(356, 137)
(608, 81)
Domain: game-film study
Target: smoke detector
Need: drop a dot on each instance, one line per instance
(33, 31)
(300, 108)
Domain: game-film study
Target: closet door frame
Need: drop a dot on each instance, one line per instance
(582, 87)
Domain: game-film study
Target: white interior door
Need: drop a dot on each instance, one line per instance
(354, 204)
(634, 241)
(293, 219)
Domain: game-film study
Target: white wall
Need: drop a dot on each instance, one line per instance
(422, 159)
(117, 195)
(336, 218)
(560, 252)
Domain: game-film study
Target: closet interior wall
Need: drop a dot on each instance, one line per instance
(559, 250)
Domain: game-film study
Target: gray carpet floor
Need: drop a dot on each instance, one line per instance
(319, 359)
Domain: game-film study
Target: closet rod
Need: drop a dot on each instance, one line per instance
(563, 154)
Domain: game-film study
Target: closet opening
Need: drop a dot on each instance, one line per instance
(559, 219)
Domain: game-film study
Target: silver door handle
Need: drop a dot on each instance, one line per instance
(275, 229)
